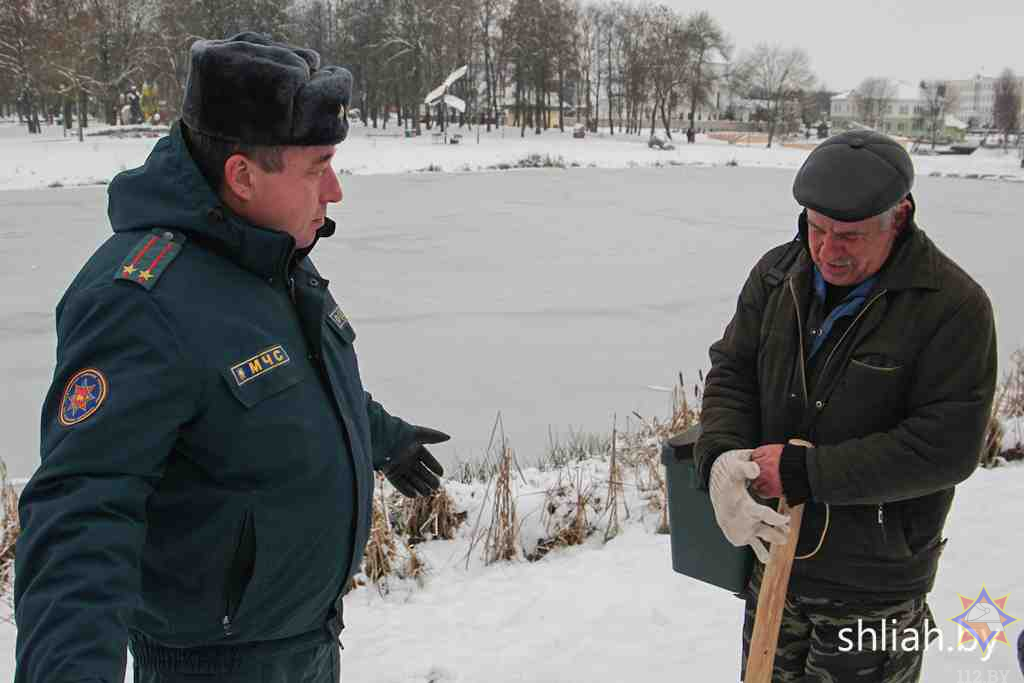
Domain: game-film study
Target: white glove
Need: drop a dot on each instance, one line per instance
(743, 520)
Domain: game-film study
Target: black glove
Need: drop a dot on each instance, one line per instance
(414, 471)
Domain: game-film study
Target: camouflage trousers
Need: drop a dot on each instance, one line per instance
(832, 641)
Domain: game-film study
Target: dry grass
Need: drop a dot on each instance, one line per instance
(615, 492)
(382, 548)
(502, 540)
(432, 517)
(1008, 404)
(643, 447)
(576, 447)
(413, 568)
(8, 542)
(569, 507)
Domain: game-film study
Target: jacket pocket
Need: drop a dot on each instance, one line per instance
(876, 363)
(924, 519)
(240, 573)
(869, 398)
(267, 373)
(865, 532)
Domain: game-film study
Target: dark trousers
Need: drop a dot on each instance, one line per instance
(834, 641)
(319, 664)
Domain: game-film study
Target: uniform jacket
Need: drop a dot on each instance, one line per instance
(220, 491)
(897, 414)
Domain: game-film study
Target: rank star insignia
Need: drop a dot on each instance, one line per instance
(148, 261)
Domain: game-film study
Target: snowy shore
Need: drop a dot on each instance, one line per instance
(55, 160)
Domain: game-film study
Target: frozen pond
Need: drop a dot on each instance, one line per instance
(556, 297)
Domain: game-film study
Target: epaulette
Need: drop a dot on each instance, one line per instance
(148, 260)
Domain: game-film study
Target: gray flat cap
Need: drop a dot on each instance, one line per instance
(854, 175)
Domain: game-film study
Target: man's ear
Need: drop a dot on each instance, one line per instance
(902, 213)
(238, 177)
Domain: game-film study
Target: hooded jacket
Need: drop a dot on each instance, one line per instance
(220, 491)
(897, 411)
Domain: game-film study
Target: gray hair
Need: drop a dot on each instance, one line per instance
(885, 219)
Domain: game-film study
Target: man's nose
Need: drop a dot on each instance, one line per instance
(830, 244)
(330, 187)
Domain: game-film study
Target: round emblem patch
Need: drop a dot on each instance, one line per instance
(83, 396)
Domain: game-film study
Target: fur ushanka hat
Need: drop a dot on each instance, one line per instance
(251, 89)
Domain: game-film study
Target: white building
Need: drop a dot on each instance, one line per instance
(904, 109)
(976, 98)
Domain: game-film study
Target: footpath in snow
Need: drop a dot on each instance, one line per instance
(53, 160)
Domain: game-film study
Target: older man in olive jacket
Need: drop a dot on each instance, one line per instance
(864, 339)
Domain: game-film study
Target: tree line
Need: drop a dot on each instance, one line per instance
(624, 65)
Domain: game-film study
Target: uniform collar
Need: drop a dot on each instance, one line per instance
(169, 191)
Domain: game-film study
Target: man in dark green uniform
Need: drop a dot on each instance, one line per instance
(208, 448)
(862, 338)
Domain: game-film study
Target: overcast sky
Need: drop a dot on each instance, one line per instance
(907, 40)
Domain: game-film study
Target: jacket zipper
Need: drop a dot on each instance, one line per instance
(229, 606)
(852, 325)
(800, 330)
(881, 506)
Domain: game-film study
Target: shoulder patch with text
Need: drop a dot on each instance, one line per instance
(149, 259)
(338, 316)
(83, 396)
(262, 362)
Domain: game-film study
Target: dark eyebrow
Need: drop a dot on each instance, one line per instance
(324, 159)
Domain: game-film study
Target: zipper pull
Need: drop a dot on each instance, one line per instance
(881, 521)
(291, 288)
(226, 622)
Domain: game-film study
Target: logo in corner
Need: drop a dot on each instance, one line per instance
(83, 396)
(983, 620)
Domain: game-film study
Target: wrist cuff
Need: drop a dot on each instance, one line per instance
(796, 483)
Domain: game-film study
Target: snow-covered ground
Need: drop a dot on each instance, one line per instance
(608, 613)
(617, 612)
(559, 298)
(52, 159)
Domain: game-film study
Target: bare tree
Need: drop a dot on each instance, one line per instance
(873, 98)
(705, 40)
(611, 34)
(21, 47)
(778, 76)
(1007, 106)
(668, 59)
(585, 57)
(492, 12)
(938, 99)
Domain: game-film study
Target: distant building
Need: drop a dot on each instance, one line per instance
(901, 116)
(976, 98)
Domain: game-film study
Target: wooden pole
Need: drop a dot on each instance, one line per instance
(771, 599)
